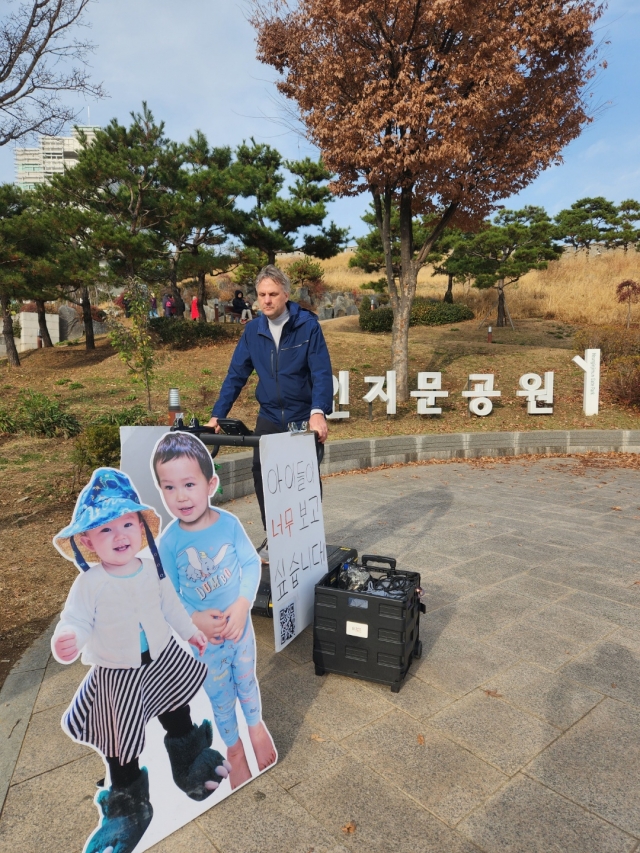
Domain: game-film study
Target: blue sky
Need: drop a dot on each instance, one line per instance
(194, 63)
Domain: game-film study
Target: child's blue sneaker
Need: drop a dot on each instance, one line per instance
(126, 814)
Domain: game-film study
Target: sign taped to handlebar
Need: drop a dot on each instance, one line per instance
(295, 530)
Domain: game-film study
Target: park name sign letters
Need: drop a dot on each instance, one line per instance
(537, 391)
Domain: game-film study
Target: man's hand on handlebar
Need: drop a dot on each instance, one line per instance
(213, 423)
(318, 423)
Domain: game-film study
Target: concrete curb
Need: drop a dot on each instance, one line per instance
(17, 698)
(359, 453)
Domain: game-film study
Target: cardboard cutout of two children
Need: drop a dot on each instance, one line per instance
(165, 625)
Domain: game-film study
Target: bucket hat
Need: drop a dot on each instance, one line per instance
(108, 495)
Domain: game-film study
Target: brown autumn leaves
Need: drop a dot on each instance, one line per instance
(438, 106)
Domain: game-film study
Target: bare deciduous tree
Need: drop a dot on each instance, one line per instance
(40, 60)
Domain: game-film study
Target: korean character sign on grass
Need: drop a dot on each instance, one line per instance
(532, 388)
(480, 393)
(295, 530)
(429, 390)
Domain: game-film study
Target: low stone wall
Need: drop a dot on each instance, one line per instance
(358, 453)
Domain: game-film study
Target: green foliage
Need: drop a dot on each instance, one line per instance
(424, 312)
(612, 342)
(135, 345)
(182, 334)
(589, 220)
(378, 285)
(379, 320)
(98, 446)
(38, 414)
(306, 273)
(133, 416)
(623, 380)
(8, 423)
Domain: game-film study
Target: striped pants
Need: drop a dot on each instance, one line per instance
(112, 707)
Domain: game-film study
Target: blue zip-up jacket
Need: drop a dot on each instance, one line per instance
(293, 380)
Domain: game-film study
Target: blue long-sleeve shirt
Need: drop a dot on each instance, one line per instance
(210, 568)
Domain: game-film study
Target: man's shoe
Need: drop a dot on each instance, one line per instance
(263, 551)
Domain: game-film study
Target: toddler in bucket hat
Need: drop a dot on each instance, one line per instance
(119, 614)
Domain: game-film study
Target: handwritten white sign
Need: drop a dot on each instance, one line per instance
(295, 530)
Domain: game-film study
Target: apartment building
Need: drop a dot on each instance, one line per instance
(54, 154)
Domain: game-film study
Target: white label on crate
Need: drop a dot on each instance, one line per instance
(358, 629)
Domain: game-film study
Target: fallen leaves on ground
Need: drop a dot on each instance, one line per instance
(421, 740)
(494, 694)
(349, 828)
(318, 739)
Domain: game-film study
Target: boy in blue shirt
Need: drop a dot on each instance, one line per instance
(215, 570)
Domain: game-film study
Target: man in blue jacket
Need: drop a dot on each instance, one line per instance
(286, 348)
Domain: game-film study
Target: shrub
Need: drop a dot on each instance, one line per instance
(424, 312)
(38, 414)
(611, 341)
(623, 380)
(185, 334)
(133, 416)
(8, 423)
(98, 446)
(378, 285)
(380, 320)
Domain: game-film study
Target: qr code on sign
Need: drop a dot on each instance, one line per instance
(287, 623)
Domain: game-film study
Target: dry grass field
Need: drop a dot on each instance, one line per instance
(577, 289)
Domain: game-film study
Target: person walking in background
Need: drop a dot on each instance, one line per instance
(286, 348)
(195, 314)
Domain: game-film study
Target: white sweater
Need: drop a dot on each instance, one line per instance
(105, 613)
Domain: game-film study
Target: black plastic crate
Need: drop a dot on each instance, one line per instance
(365, 635)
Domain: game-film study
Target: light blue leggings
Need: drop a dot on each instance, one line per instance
(232, 673)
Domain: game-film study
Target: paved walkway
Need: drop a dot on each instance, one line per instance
(518, 732)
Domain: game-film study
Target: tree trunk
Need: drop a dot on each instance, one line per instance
(502, 317)
(43, 331)
(402, 299)
(202, 295)
(271, 256)
(178, 301)
(7, 331)
(90, 341)
(448, 297)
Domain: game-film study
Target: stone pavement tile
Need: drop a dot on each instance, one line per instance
(532, 586)
(59, 684)
(332, 703)
(589, 578)
(569, 623)
(525, 548)
(425, 562)
(553, 697)
(445, 778)
(46, 746)
(188, 838)
(302, 748)
(490, 568)
(622, 615)
(55, 809)
(494, 730)
(480, 613)
(526, 817)
(263, 818)
(538, 645)
(595, 764)
(611, 667)
(270, 663)
(416, 697)
(385, 818)
(457, 664)
(300, 650)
